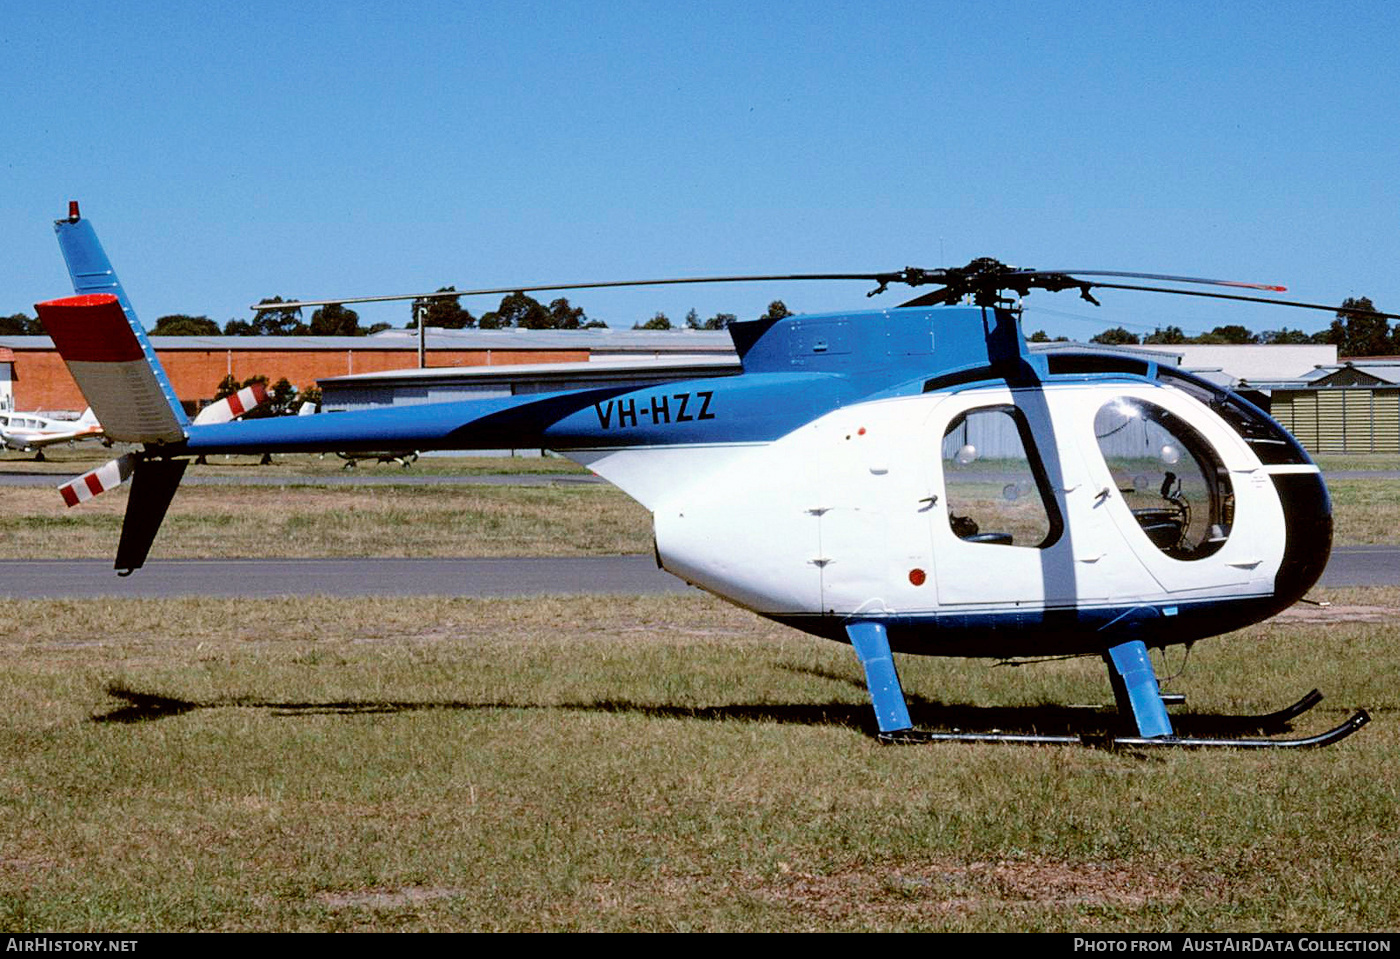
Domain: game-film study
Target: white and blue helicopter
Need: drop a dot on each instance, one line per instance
(909, 480)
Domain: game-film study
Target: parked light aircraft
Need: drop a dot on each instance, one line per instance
(910, 479)
(31, 432)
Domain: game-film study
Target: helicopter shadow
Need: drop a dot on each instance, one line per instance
(928, 714)
(1052, 718)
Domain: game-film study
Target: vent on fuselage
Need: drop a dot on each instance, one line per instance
(1082, 364)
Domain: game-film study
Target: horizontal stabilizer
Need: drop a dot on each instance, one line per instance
(105, 477)
(116, 371)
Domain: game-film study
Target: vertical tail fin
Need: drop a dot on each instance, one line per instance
(106, 349)
(92, 273)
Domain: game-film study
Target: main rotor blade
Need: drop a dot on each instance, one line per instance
(1247, 299)
(1157, 276)
(445, 294)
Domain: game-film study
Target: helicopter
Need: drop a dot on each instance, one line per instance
(911, 479)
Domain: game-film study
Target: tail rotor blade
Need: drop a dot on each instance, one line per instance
(233, 406)
(107, 476)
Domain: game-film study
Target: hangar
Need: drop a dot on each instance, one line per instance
(1351, 407)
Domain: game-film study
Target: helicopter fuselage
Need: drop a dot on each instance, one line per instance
(993, 520)
(922, 468)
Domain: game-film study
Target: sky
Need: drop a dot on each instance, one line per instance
(231, 152)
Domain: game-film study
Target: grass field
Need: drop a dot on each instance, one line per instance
(657, 764)
(337, 521)
(635, 764)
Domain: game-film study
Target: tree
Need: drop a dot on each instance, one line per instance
(522, 311)
(516, 310)
(1357, 331)
(1039, 336)
(280, 398)
(1232, 333)
(1170, 336)
(776, 311)
(1115, 337)
(562, 316)
(311, 394)
(269, 322)
(720, 321)
(19, 324)
(1284, 337)
(179, 324)
(443, 312)
(658, 322)
(228, 386)
(333, 319)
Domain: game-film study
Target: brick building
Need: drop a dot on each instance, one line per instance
(196, 364)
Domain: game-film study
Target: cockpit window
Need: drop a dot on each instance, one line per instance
(1170, 477)
(995, 485)
(1273, 444)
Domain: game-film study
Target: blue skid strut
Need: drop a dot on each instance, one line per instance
(1135, 687)
(872, 645)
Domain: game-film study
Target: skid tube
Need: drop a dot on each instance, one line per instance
(1108, 741)
(1280, 718)
(1138, 695)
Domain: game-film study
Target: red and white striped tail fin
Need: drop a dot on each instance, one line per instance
(232, 407)
(105, 477)
(119, 376)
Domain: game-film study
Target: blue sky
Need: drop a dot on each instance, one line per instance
(231, 152)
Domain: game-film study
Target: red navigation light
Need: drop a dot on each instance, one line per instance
(73, 216)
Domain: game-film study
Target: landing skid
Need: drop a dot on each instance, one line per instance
(1107, 741)
(1280, 718)
(1142, 707)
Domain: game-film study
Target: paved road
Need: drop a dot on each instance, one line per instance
(396, 478)
(630, 575)
(1363, 566)
(84, 578)
(55, 476)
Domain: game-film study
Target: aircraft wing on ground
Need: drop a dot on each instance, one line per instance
(28, 431)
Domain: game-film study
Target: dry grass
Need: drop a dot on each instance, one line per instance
(338, 521)
(652, 764)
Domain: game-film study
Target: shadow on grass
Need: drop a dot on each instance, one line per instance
(926, 714)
